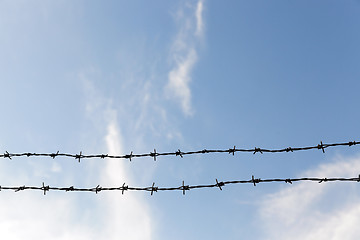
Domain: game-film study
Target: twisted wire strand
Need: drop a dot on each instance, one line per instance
(183, 187)
(322, 146)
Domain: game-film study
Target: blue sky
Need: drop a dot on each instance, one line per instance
(120, 76)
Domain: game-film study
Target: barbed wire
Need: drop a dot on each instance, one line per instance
(180, 153)
(183, 187)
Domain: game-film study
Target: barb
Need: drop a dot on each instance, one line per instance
(45, 188)
(7, 155)
(125, 188)
(183, 188)
(219, 184)
(79, 156)
(53, 155)
(153, 189)
(155, 154)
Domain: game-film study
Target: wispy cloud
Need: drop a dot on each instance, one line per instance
(33, 216)
(199, 18)
(315, 211)
(184, 54)
(179, 79)
(128, 217)
(123, 215)
(108, 215)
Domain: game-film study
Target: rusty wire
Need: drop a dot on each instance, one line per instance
(183, 188)
(322, 146)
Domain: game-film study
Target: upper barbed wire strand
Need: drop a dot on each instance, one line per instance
(322, 146)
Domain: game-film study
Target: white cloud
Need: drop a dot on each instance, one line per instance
(124, 216)
(31, 215)
(179, 79)
(315, 211)
(28, 215)
(60, 215)
(56, 168)
(127, 215)
(184, 55)
(199, 18)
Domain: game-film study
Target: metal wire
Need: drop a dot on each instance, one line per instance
(155, 154)
(183, 187)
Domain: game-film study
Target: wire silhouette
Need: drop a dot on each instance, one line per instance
(155, 154)
(183, 187)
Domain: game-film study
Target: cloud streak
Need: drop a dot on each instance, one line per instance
(199, 18)
(313, 211)
(128, 216)
(124, 216)
(184, 55)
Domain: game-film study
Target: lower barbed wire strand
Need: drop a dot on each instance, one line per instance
(152, 189)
